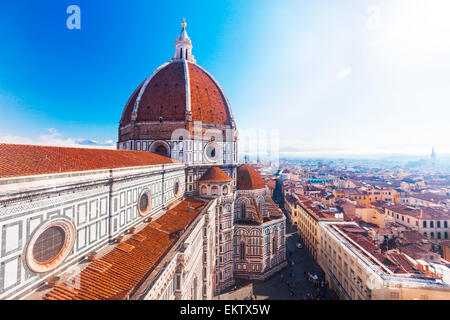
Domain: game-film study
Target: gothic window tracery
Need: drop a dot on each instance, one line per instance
(242, 251)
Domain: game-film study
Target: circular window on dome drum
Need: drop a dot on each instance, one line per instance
(144, 202)
(50, 245)
(211, 152)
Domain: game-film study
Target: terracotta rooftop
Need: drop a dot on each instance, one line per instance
(215, 174)
(413, 250)
(398, 263)
(248, 178)
(421, 212)
(351, 191)
(25, 160)
(291, 199)
(432, 197)
(393, 260)
(165, 96)
(317, 209)
(412, 236)
(115, 274)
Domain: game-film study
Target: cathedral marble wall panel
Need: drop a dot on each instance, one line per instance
(85, 205)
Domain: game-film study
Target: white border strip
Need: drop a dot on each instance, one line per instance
(188, 86)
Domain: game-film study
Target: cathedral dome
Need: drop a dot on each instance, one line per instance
(249, 179)
(179, 103)
(175, 91)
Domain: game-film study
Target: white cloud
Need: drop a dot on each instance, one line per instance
(344, 73)
(54, 138)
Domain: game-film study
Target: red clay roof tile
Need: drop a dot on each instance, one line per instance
(25, 160)
(215, 174)
(165, 96)
(115, 274)
(249, 179)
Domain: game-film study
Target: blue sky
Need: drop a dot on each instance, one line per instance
(334, 77)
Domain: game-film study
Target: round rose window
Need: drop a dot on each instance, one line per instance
(50, 245)
(144, 202)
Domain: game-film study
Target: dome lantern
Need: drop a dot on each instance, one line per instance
(183, 45)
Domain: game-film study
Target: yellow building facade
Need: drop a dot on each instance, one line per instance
(310, 213)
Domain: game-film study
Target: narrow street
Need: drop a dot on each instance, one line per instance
(295, 276)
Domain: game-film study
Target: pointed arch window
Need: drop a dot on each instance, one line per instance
(274, 245)
(242, 210)
(242, 251)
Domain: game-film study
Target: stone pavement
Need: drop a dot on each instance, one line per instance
(241, 293)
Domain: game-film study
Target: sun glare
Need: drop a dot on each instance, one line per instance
(413, 31)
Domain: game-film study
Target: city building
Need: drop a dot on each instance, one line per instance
(360, 197)
(374, 216)
(358, 269)
(385, 194)
(292, 207)
(432, 222)
(310, 213)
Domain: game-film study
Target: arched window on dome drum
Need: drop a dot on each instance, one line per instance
(242, 251)
(204, 190)
(161, 150)
(224, 190)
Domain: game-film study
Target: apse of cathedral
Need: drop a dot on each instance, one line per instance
(169, 215)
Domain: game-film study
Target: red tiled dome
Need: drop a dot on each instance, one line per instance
(248, 178)
(215, 174)
(164, 95)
